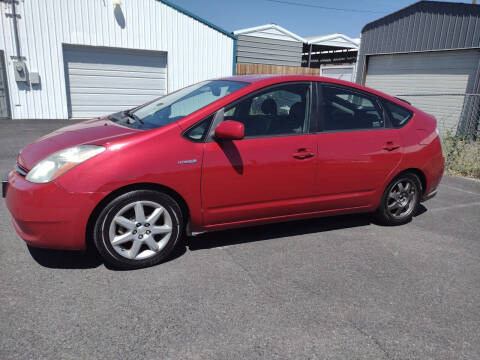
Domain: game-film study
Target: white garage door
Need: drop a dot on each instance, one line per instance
(431, 81)
(338, 72)
(101, 81)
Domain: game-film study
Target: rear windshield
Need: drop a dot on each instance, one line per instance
(398, 114)
(177, 105)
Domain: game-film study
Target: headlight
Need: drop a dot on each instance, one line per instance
(60, 162)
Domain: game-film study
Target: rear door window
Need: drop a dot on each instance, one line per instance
(346, 109)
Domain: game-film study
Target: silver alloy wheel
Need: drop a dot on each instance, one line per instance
(140, 230)
(401, 198)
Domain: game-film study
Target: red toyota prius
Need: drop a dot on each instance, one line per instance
(220, 154)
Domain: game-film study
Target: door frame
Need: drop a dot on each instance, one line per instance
(218, 117)
(312, 111)
(5, 82)
(320, 129)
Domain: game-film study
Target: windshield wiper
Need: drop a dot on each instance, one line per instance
(131, 115)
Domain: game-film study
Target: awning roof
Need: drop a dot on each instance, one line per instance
(334, 40)
(274, 31)
(270, 31)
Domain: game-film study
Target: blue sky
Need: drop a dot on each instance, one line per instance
(302, 20)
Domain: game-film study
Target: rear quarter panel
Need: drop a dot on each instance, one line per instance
(422, 149)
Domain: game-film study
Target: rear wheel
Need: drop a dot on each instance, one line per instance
(138, 229)
(400, 200)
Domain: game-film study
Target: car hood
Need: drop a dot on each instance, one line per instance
(96, 131)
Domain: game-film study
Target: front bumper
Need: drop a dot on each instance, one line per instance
(48, 216)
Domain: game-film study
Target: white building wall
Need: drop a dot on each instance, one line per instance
(195, 51)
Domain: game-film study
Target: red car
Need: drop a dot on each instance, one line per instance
(220, 154)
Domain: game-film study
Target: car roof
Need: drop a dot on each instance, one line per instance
(273, 79)
(269, 79)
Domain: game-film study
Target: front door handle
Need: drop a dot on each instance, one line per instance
(303, 154)
(390, 146)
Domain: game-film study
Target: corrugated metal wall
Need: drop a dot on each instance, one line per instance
(195, 50)
(424, 26)
(446, 73)
(267, 50)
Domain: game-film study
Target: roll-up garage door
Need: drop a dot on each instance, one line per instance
(435, 82)
(338, 72)
(101, 81)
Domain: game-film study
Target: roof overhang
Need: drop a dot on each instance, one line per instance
(334, 40)
(198, 18)
(269, 29)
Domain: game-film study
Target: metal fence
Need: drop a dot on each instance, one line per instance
(457, 114)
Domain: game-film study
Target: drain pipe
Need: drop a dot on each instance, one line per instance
(15, 30)
(21, 72)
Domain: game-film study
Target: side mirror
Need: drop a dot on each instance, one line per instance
(230, 130)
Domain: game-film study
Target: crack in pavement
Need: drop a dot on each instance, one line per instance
(371, 337)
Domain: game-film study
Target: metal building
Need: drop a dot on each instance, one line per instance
(269, 44)
(429, 54)
(77, 59)
(272, 49)
(334, 54)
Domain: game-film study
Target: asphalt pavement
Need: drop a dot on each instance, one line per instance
(332, 288)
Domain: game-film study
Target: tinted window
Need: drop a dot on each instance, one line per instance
(282, 110)
(347, 110)
(174, 106)
(197, 132)
(398, 114)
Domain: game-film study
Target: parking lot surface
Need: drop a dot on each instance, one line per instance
(332, 288)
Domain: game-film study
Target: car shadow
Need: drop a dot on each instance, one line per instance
(89, 259)
(283, 229)
(60, 259)
(65, 259)
(276, 231)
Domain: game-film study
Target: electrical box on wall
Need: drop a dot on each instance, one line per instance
(20, 68)
(34, 78)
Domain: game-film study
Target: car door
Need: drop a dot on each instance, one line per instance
(269, 173)
(357, 151)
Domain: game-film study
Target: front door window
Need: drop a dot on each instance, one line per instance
(282, 110)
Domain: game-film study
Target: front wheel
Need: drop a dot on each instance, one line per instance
(400, 200)
(138, 229)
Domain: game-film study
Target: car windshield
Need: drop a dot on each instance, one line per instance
(181, 103)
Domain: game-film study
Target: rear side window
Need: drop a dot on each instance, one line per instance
(350, 110)
(398, 114)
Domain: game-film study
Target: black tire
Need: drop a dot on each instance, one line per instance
(101, 232)
(384, 213)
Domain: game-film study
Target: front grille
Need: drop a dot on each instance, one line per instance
(21, 170)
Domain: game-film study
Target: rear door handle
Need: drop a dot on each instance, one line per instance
(303, 154)
(390, 146)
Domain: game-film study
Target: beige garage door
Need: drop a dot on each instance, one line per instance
(432, 81)
(101, 81)
(338, 72)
